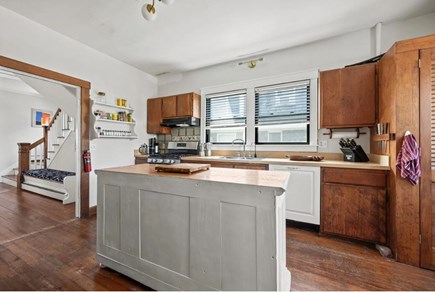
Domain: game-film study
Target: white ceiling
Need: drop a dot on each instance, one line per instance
(190, 34)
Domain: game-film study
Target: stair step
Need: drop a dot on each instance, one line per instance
(67, 129)
(60, 137)
(48, 158)
(51, 151)
(55, 144)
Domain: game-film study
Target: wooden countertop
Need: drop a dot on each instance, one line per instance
(286, 161)
(274, 179)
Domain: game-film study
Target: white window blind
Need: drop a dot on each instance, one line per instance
(226, 116)
(287, 103)
(282, 113)
(226, 109)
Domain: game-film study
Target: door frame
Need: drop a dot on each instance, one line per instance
(84, 115)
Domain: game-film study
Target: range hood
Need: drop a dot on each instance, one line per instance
(181, 122)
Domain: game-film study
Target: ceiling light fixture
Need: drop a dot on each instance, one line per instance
(251, 63)
(149, 10)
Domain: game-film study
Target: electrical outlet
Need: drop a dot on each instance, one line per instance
(323, 143)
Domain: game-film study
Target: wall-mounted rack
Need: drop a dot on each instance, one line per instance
(357, 130)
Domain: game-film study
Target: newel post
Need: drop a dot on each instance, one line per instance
(45, 129)
(23, 161)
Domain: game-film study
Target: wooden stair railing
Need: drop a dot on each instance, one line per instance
(25, 148)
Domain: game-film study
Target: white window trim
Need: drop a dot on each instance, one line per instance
(250, 86)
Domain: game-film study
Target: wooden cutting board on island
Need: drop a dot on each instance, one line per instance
(182, 167)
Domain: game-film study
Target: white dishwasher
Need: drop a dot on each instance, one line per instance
(303, 193)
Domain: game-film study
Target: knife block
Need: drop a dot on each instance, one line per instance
(354, 154)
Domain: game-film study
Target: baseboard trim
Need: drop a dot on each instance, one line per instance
(92, 210)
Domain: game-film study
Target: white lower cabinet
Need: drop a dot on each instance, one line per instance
(303, 193)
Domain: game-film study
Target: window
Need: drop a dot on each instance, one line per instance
(226, 116)
(282, 113)
(276, 113)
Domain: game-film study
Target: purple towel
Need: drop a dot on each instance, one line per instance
(408, 159)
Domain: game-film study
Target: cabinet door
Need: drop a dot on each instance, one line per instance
(303, 193)
(330, 98)
(184, 105)
(154, 117)
(427, 185)
(354, 211)
(169, 107)
(348, 97)
(303, 196)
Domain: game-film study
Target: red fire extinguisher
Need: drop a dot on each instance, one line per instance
(87, 161)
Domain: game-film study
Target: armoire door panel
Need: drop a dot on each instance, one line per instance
(427, 144)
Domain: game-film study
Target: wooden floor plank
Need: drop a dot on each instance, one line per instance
(323, 263)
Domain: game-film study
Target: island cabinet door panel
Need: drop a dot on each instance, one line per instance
(166, 216)
(129, 221)
(354, 211)
(112, 224)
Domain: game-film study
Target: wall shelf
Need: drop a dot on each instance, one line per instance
(114, 121)
(112, 106)
(102, 128)
(116, 137)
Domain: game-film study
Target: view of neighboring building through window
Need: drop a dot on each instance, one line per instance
(282, 113)
(226, 116)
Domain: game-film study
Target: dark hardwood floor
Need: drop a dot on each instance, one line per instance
(325, 263)
(43, 248)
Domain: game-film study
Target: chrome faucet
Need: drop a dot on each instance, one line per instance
(243, 143)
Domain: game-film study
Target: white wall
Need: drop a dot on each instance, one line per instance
(15, 125)
(30, 42)
(65, 158)
(407, 29)
(323, 55)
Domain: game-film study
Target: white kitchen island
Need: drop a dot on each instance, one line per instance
(219, 229)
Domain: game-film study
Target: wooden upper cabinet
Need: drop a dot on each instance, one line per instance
(169, 107)
(182, 105)
(154, 117)
(348, 97)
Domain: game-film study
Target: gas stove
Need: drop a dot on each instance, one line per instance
(176, 150)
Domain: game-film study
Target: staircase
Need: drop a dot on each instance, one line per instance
(40, 155)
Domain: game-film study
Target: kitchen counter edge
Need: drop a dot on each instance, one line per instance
(286, 161)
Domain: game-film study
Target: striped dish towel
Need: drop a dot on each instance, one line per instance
(408, 159)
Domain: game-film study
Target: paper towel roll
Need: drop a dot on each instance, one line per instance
(344, 134)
